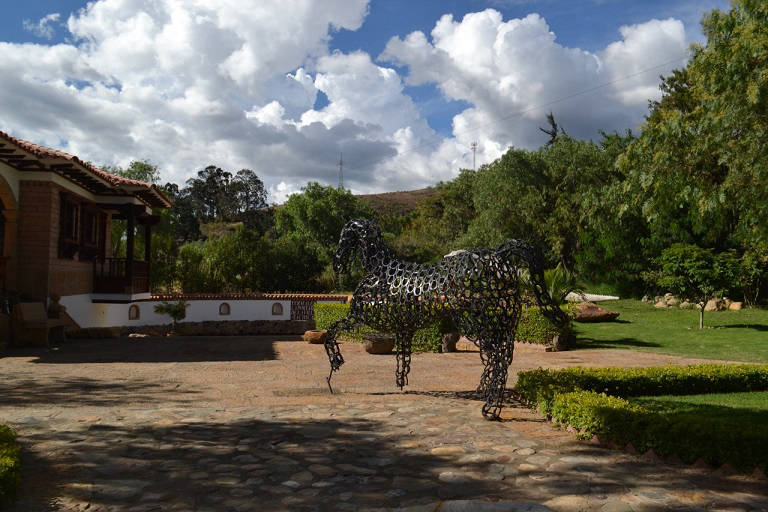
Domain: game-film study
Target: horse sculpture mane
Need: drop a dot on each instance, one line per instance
(480, 290)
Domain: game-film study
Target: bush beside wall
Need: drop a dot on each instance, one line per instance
(10, 464)
(428, 339)
(534, 327)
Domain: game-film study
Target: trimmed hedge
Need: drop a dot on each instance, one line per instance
(592, 400)
(688, 436)
(10, 464)
(428, 339)
(538, 387)
(534, 327)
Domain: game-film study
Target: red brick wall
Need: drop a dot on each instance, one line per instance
(68, 276)
(38, 231)
(41, 271)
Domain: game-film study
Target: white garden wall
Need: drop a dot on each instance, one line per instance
(88, 314)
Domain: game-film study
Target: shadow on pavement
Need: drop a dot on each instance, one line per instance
(582, 342)
(84, 391)
(303, 465)
(156, 350)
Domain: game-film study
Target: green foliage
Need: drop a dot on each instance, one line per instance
(437, 225)
(316, 216)
(559, 283)
(697, 274)
(689, 436)
(539, 387)
(534, 327)
(428, 339)
(540, 195)
(176, 310)
(10, 464)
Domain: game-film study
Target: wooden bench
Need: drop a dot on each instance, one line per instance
(31, 325)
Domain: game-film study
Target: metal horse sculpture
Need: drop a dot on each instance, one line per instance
(479, 290)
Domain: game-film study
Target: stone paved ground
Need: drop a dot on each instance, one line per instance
(246, 423)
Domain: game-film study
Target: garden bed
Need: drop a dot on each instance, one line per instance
(652, 409)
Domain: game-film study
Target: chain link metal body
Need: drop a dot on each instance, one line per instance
(480, 290)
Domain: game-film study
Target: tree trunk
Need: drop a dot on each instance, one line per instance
(701, 316)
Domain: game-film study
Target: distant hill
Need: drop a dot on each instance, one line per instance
(397, 203)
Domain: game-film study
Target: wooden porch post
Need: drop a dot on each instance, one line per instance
(148, 247)
(129, 248)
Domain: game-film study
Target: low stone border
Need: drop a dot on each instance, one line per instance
(211, 328)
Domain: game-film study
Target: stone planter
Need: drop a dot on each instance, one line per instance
(315, 337)
(379, 343)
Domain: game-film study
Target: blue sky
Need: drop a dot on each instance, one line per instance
(283, 92)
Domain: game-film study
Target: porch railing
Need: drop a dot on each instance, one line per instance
(111, 275)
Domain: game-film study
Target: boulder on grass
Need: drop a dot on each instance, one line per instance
(736, 306)
(715, 305)
(315, 337)
(587, 312)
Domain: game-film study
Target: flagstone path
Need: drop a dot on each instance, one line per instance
(247, 423)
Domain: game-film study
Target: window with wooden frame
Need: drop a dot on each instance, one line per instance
(91, 233)
(69, 227)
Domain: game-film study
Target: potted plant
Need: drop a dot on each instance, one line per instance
(176, 310)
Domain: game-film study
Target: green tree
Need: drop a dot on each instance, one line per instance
(696, 170)
(439, 223)
(540, 195)
(696, 274)
(316, 216)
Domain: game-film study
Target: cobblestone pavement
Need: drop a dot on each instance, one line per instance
(247, 423)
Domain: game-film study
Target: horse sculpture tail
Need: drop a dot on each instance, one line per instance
(533, 258)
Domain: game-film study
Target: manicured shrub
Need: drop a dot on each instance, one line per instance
(687, 435)
(10, 464)
(538, 387)
(428, 339)
(534, 327)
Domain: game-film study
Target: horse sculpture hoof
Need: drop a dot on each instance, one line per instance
(491, 413)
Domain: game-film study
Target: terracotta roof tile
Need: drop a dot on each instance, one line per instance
(113, 179)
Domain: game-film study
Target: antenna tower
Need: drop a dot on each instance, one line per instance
(341, 170)
(474, 154)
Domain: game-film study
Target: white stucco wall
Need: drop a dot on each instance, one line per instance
(88, 314)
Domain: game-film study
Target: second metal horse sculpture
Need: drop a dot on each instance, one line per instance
(479, 290)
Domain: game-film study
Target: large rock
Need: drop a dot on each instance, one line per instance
(736, 306)
(672, 301)
(715, 305)
(590, 312)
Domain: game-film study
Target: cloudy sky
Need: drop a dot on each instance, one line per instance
(401, 87)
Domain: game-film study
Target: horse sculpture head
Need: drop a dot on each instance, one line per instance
(356, 234)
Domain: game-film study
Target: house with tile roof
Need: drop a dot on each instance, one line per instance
(56, 213)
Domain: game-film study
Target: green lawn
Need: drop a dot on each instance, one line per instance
(738, 407)
(729, 335)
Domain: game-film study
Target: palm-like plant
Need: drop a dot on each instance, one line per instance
(560, 282)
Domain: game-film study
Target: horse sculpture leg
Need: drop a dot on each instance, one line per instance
(403, 346)
(499, 358)
(332, 346)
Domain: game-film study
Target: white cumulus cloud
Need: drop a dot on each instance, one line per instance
(44, 27)
(188, 83)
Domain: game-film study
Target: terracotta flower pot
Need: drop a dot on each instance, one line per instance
(379, 343)
(315, 337)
